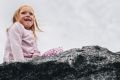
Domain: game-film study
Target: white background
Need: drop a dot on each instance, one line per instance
(68, 23)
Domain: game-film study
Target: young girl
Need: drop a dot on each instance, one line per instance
(21, 38)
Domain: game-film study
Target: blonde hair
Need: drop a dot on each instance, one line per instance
(35, 24)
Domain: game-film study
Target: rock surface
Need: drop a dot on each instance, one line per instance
(87, 63)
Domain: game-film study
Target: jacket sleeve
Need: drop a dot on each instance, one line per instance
(15, 37)
(6, 54)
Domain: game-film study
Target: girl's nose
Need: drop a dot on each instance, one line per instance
(27, 14)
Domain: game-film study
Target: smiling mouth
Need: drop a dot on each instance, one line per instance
(27, 19)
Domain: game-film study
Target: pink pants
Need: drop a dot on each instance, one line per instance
(51, 52)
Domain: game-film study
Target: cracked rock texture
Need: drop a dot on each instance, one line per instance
(87, 63)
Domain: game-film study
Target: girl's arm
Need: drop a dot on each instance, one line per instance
(15, 37)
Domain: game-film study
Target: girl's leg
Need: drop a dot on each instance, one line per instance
(52, 52)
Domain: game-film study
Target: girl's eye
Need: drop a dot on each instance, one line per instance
(30, 13)
(23, 12)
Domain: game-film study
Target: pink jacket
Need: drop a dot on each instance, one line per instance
(20, 44)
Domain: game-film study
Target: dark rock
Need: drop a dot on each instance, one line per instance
(88, 63)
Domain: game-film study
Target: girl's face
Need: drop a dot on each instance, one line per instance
(26, 17)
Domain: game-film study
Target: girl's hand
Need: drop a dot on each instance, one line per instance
(36, 55)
